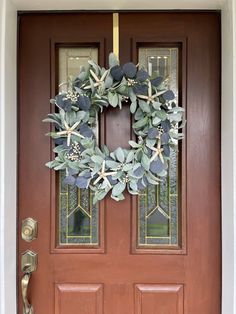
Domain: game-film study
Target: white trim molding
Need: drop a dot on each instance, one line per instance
(117, 5)
(228, 149)
(8, 156)
(8, 130)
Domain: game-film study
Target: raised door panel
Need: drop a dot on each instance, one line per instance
(79, 298)
(159, 298)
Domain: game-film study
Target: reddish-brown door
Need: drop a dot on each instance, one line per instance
(158, 252)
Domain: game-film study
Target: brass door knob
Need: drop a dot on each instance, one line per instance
(29, 262)
(29, 229)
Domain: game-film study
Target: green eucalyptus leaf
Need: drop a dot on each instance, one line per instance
(50, 120)
(134, 144)
(133, 186)
(176, 135)
(112, 154)
(118, 188)
(104, 185)
(108, 81)
(176, 117)
(54, 135)
(113, 99)
(118, 198)
(140, 123)
(95, 198)
(120, 154)
(97, 159)
(145, 161)
(101, 195)
(132, 95)
(113, 60)
(82, 76)
(98, 152)
(152, 181)
(96, 169)
(52, 164)
(59, 148)
(144, 106)
(105, 150)
(161, 114)
(133, 192)
(112, 164)
(130, 156)
(120, 101)
(138, 114)
(156, 121)
(80, 115)
(133, 106)
(150, 143)
(118, 175)
(162, 174)
(127, 167)
(156, 105)
(62, 114)
(177, 109)
(138, 154)
(61, 166)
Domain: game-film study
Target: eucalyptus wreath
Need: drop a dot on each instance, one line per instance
(157, 120)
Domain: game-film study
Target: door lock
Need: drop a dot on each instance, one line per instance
(29, 229)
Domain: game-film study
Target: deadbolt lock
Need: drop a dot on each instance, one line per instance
(29, 229)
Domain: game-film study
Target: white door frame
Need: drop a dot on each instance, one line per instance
(8, 131)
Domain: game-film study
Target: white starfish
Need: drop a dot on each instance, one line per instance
(150, 98)
(103, 175)
(69, 131)
(98, 81)
(158, 152)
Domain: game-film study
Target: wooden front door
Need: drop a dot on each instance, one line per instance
(156, 253)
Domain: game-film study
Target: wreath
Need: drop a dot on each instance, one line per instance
(157, 120)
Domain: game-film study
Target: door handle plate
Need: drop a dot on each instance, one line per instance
(29, 262)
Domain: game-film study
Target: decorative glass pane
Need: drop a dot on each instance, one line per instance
(78, 217)
(158, 205)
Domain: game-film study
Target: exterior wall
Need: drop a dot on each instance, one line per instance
(8, 133)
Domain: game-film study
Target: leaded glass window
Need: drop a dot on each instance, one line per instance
(78, 217)
(158, 210)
